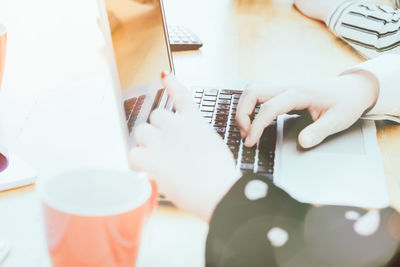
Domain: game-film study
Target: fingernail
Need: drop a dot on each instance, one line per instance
(308, 140)
(164, 74)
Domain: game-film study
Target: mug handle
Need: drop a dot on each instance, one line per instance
(152, 204)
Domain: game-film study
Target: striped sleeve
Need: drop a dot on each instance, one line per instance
(370, 29)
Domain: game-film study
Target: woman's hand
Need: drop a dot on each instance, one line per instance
(334, 105)
(190, 162)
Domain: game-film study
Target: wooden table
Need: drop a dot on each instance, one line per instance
(243, 40)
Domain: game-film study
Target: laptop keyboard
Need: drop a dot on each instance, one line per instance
(132, 108)
(218, 107)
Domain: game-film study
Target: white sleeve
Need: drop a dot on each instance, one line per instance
(370, 29)
(386, 68)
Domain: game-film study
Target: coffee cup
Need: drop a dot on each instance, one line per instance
(96, 217)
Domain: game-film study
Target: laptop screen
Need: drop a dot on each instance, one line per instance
(140, 47)
(141, 53)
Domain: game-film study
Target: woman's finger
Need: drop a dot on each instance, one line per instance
(245, 107)
(145, 134)
(250, 97)
(161, 118)
(183, 101)
(280, 104)
(333, 121)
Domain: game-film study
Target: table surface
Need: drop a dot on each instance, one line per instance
(243, 40)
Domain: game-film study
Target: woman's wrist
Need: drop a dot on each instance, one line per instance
(365, 85)
(220, 192)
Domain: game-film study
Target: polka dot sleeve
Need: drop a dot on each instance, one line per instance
(258, 224)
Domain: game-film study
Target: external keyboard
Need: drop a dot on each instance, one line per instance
(181, 39)
(218, 107)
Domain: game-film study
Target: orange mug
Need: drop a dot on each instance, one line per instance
(96, 217)
(3, 41)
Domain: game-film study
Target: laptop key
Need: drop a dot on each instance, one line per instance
(224, 102)
(262, 169)
(266, 163)
(220, 124)
(233, 142)
(208, 104)
(246, 166)
(234, 135)
(233, 148)
(210, 98)
(211, 92)
(251, 152)
(221, 117)
(234, 129)
(229, 91)
(210, 109)
(220, 129)
(222, 112)
(207, 114)
(223, 107)
(263, 161)
(271, 155)
(224, 92)
(248, 159)
(236, 96)
(233, 123)
(225, 97)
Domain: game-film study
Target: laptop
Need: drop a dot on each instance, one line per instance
(345, 169)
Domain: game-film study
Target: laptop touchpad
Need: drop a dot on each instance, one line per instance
(350, 141)
(344, 170)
